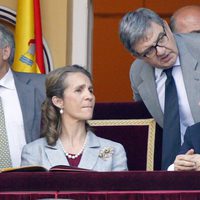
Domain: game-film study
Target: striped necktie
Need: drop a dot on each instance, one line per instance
(5, 159)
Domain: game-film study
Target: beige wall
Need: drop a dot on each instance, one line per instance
(12, 4)
(54, 26)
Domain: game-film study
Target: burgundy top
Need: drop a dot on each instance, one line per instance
(74, 162)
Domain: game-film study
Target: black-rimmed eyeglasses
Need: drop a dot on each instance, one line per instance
(151, 51)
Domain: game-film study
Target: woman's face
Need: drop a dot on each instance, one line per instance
(78, 98)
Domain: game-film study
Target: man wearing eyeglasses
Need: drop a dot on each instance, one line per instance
(149, 38)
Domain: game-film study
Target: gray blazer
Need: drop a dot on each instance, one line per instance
(31, 93)
(40, 153)
(143, 79)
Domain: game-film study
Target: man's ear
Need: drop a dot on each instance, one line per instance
(166, 25)
(58, 102)
(6, 52)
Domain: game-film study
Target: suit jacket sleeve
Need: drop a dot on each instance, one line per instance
(187, 145)
(119, 160)
(30, 155)
(135, 80)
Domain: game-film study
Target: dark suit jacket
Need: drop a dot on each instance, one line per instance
(192, 139)
(31, 93)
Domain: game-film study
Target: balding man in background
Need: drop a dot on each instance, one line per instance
(186, 20)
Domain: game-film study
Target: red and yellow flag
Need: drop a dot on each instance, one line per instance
(28, 38)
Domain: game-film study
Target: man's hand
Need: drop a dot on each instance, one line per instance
(196, 159)
(187, 162)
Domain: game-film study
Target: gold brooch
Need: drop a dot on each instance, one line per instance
(106, 152)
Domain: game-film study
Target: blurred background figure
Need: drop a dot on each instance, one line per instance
(186, 20)
(21, 96)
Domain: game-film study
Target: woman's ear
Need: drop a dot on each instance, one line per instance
(58, 102)
(6, 52)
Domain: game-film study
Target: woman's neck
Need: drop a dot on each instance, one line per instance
(73, 136)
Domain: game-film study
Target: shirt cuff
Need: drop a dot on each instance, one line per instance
(171, 168)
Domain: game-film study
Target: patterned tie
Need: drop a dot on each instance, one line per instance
(171, 127)
(5, 160)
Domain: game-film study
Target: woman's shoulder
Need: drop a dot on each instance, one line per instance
(39, 142)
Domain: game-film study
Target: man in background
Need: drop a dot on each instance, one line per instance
(164, 58)
(186, 20)
(21, 96)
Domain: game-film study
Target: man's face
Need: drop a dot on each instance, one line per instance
(158, 48)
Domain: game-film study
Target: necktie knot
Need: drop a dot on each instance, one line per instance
(168, 72)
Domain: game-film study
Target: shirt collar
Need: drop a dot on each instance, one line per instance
(8, 81)
(177, 63)
(158, 71)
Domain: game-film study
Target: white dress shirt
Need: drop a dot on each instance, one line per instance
(13, 117)
(171, 168)
(186, 118)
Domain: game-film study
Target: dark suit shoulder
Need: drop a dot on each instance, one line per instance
(194, 129)
(192, 139)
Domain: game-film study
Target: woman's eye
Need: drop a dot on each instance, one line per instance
(91, 90)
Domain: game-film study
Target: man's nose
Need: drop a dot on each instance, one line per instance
(160, 50)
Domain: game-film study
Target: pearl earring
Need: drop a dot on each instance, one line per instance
(61, 111)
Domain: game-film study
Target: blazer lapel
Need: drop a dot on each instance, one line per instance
(91, 152)
(26, 98)
(56, 155)
(148, 92)
(191, 76)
